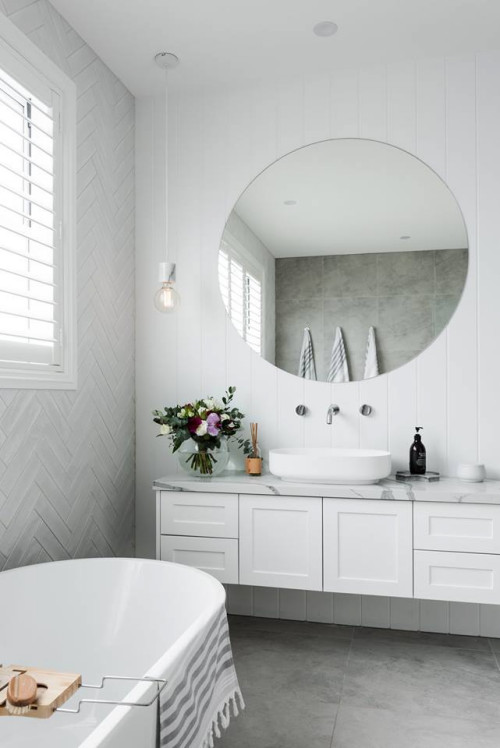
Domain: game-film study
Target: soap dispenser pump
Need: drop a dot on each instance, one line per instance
(418, 457)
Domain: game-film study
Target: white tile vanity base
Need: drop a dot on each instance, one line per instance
(390, 555)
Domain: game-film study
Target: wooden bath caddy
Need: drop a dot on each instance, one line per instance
(54, 689)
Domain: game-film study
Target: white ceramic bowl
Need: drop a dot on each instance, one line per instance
(471, 473)
(330, 465)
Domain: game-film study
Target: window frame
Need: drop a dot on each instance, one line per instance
(25, 62)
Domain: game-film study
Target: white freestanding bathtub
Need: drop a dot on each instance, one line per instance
(98, 617)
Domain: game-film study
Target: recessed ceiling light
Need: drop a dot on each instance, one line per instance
(289, 202)
(167, 60)
(405, 236)
(325, 28)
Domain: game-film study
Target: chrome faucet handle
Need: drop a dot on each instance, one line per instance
(333, 410)
(366, 410)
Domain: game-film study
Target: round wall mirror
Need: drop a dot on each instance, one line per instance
(343, 260)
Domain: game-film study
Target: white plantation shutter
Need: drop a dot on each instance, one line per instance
(29, 278)
(242, 295)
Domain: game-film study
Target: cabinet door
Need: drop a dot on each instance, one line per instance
(368, 547)
(216, 556)
(280, 542)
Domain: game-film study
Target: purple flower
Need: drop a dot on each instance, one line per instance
(213, 424)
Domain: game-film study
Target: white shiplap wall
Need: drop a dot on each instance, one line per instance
(447, 112)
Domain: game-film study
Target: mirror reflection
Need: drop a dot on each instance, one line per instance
(343, 260)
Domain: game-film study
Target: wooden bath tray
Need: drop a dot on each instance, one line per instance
(54, 689)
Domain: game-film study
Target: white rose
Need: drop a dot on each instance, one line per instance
(165, 429)
(202, 429)
(209, 403)
(224, 417)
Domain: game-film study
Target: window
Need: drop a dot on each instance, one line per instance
(242, 295)
(37, 290)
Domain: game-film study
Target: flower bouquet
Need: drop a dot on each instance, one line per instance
(199, 432)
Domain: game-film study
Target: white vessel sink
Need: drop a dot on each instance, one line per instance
(330, 465)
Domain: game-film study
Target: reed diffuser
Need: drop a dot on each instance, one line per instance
(253, 462)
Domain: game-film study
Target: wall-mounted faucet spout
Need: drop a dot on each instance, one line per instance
(333, 410)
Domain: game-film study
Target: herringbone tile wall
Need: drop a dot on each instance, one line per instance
(67, 458)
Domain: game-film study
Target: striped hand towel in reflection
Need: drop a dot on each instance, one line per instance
(339, 370)
(307, 367)
(371, 362)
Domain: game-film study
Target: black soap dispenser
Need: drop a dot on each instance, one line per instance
(418, 457)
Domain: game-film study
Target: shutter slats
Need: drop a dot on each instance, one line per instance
(17, 91)
(242, 295)
(28, 276)
(25, 235)
(25, 256)
(27, 139)
(28, 120)
(33, 182)
(26, 316)
(23, 197)
(26, 216)
(28, 159)
(30, 297)
(26, 336)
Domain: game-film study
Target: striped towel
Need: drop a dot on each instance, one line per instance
(307, 367)
(339, 370)
(371, 363)
(201, 691)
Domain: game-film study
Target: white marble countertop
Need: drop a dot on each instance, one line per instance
(446, 489)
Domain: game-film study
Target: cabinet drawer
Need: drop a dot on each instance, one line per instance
(467, 528)
(216, 556)
(460, 577)
(211, 515)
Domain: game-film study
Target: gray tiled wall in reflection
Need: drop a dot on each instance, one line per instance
(408, 297)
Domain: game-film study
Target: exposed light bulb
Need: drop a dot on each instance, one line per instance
(166, 299)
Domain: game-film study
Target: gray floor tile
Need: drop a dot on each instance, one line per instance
(478, 643)
(495, 643)
(371, 688)
(380, 728)
(281, 723)
(291, 678)
(418, 678)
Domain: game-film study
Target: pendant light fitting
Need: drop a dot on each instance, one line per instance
(166, 298)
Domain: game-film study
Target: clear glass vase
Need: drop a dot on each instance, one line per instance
(202, 461)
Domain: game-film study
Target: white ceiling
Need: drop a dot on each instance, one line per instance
(353, 196)
(223, 42)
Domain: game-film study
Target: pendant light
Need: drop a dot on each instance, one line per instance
(166, 298)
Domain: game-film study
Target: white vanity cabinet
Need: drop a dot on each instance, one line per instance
(367, 547)
(390, 545)
(281, 542)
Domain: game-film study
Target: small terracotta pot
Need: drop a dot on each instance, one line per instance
(253, 465)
